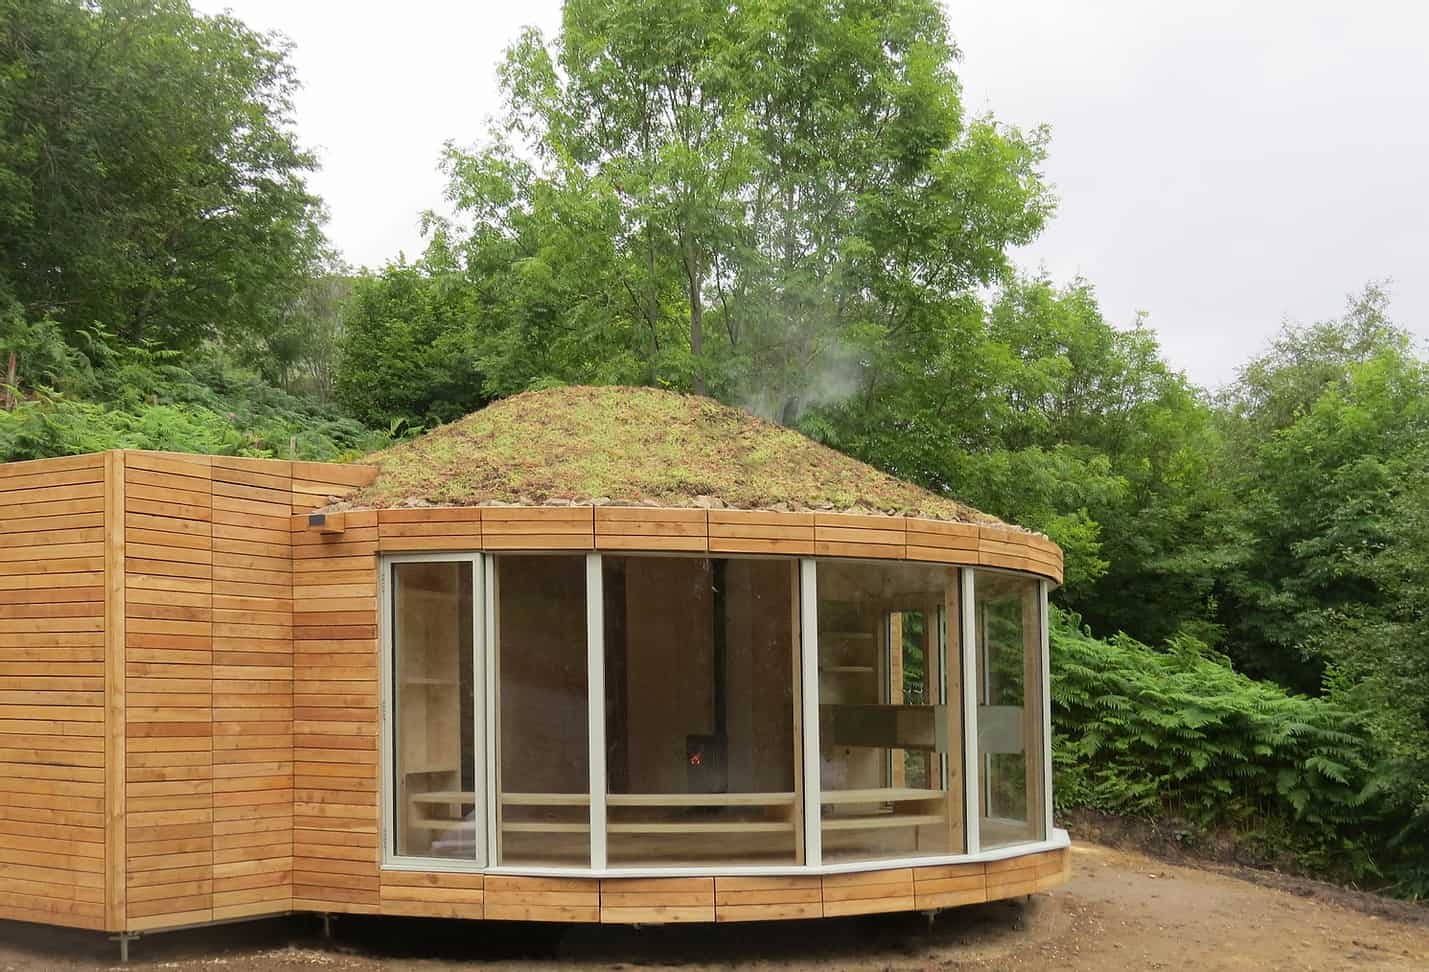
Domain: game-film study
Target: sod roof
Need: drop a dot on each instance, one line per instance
(634, 446)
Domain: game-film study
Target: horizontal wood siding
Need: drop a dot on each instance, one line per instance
(538, 527)
(335, 713)
(168, 668)
(850, 535)
(654, 901)
(644, 528)
(407, 531)
(252, 687)
(657, 900)
(754, 532)
(52, 691)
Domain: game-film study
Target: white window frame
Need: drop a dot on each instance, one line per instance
(387, 673)
(485, 677)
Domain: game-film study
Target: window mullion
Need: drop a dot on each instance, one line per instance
(971, 774)
(809, 664)
(1043, 590)
(595, 706)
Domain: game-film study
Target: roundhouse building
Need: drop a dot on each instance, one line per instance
(588, 655)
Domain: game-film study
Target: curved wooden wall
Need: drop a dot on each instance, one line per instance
(335, 630)
(654, 529)
(189, 721)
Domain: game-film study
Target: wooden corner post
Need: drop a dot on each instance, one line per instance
(115, 872)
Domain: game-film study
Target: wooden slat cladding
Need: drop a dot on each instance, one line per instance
(53, 799)
(189, 714)
(316, 484)
(940, 542)
(168, 656)
(252, 687)
(754, 532)
(542, 899)
(949, 886)
(868, 892)
(538, 527)
(433, 895)
(851, 535)
(768, 898)
(644, 528)
(657, 530)
(657, 900)
(652, 901)
(451, 528)
(335, 713)
(212, 710)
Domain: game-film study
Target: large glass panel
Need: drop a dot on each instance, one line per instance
(1011, 802)
(890, 743)
(436, 805)
(543, 774)
(700, 700)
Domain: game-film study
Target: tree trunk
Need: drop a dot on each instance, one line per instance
(697, 323)
(12, 376)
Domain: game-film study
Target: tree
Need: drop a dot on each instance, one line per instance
(1321, 437)
(150, 181)
(748, 198)
(403, 358)
(1039, 411)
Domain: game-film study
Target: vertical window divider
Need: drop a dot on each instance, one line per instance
(491, 768)
(595, 706)
(1044, 589)
(809, 668)
(388, 779)
(971, 775)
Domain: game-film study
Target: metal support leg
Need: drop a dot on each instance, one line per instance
(931, 915)
(327, 926)
(124, 938)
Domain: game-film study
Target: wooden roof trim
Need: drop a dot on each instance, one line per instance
(665, 530)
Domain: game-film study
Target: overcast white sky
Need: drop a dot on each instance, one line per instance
(1223, 166)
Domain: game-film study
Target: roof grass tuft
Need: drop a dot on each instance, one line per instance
(635, 446)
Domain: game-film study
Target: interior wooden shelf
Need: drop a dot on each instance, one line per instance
(445, 797)
(846, 634)
(443, 824)
(891, 794)
(544, 827)
(724, 827)
(848, 669)
(545, 799)
(430, 682)
(699, 799)
(887, 821)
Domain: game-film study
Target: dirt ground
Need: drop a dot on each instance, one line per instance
(1121, 910)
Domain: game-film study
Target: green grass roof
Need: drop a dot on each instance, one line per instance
(634, 446)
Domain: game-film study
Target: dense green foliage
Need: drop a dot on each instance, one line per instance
(136, 398)
(1179, 732)
(748, 198)
(785, 203)
(129, 201)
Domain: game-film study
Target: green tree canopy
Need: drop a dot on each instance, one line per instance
(150, 182)
(750, 198)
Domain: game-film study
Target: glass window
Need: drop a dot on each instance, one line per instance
(436, 806)
(889, 742)
(1007, 622)
(700, 701)
(543, 774)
